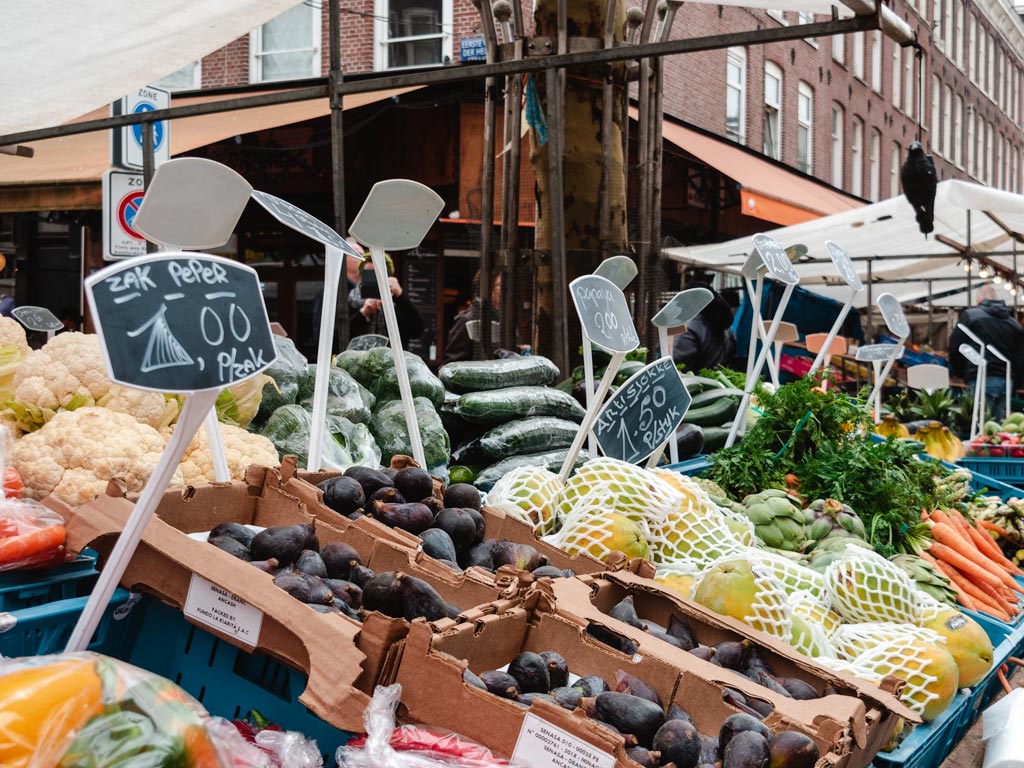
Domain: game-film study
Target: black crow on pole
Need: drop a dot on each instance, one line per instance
(919, 180)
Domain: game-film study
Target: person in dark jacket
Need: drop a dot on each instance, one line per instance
(992, 322)
(366, 315)
(459, 345)
(708, 340)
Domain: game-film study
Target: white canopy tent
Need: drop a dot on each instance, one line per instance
(883, 239)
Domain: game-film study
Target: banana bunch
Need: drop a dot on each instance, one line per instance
(940, 442)
(778, 522)
(890, 427)
(926, 577)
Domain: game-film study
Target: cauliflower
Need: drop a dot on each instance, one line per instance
(74, 455)
(242, 448)
(13, 349)
(13, 335)
(69, 372)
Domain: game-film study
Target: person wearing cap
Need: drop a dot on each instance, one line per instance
(366, 315)
(993, 323)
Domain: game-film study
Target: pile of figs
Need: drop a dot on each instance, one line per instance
(738, 655)
(452, 530)
(654, 736)
(331, 578)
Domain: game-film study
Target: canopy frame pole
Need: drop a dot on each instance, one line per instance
(148, 166)
(870, 329)
(335, 79)
(931, 312)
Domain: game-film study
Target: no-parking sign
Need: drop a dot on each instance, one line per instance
(122, 195)
(126, 142)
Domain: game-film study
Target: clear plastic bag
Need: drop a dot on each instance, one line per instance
(82, 710)
(386, 746)
(31, 535)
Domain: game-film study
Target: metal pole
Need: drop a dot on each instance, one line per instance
(148, 166)
(931, 311)
(870, 331)
(607, 106)
(556, 201)
(338, 164)
(487, 185)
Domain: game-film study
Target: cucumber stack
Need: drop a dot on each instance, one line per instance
(501, 414)
(713, 408)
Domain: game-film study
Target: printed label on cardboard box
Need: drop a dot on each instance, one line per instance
(543, 745)
(218, 609)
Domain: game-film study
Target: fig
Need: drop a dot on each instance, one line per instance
(241, 533)
(796, 688)
(282, 542)
(665, 637)
(438, 544)
(531, 672)
(310, 562)
(414, 483)
(421, 600)
(388, 495)
(459, 525)
(359, 574)
(433, 504)
(551, 572)
(675, 712)
(627, 683)
(383, 593)
(567, 697)
(343, 494)
(522, 557)
(625, 611)
(644, 757)
(705, 652)
(741, 723)
(233, 547)
(680, 630)
(731, 654)
(528, 698)
(370, 479)
(480, 555)
(473, 679)
(412, 517)
(630, 714)
(306, 588)
(345, 592)
(462, 495)
(558, 668)
(338, 558)
(591, 685)
(501, 684)
(792, 749)
(612, 639)
(747, 749)
(679, 743)
(709, 751)
(267, 566)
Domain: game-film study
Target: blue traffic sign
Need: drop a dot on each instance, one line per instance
(158, 127)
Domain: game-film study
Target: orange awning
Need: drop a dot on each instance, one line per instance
(79, 161)
(768, 190)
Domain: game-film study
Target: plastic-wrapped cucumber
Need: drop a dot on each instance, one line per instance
(391, 431)
(532, 435)
(375, 370)
(345, 396)
(551, 460)
(497, 406)
(478, 375)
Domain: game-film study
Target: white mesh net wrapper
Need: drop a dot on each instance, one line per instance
(865, 587)
(679, 576)
(696, 534)
(769, 611)
(850, 668)
(740, 526)
(852, 640)
(813, 610)
(588, 528)
(632, 491)
(794, 576)
(903, 658)
(528, 494)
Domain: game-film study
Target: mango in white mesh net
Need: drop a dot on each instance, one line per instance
(863, 586)
(746, 590)
(628, 490)
(694, 533)
(930, 672)
(680, 577)
(851, 640)
(813, 610)
(594, 528)
(738, 524)
(528, 494)
(794, 576)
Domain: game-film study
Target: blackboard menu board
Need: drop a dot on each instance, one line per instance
(421, 288)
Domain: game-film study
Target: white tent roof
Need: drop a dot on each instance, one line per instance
(63, 59)
(888, 229)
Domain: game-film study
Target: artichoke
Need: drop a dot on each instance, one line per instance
(926, 577)
(778, 522)
(825, 516)
(830, 549)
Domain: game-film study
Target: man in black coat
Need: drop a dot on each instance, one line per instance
(708, 340)
(992, 322)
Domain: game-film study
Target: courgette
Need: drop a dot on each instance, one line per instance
(706, 398)
(714, 414)
(550, 460)
(497, 406)
(697, 384)
(714, 438)
(689, 440)
(479, 375)
(532, 435)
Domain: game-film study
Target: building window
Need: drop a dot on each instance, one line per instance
(936, 137)
(894, 170)
(947, 122)
(982, 57)
(957, 155)
(972, 147)
(412, 33)
(735, 94)
(839, 48)
(779, 16)
(972, 49)
(990, 75)
(857, 158)
(908, 83)
(947, 29)
(838, 122)
(773, 110)
(990, 153)
(187, 78)
(286, 47)
(805, 128)
(876, 61)
(897, 75)
(875, 170)
(858, 55)
(937, 23)
(958, 31)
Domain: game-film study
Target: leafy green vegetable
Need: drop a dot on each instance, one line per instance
(287, 372)
(346, 397)
(390, 429)
(289, 429)
(729, 377)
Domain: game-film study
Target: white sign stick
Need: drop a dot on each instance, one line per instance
(592, 412)
(844, 266)
(588, 380)
(332, 277)
(823, 353)
(1006, 362)
(879, 354)
(197, 406)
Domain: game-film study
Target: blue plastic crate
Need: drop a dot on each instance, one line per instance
(228, 681)
(29, 588)
(928, 745)
(983, 693)
(1008, 472)
(44, 629)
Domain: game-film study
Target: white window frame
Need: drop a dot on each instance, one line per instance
(947, 29)
(805, 94)
(958, 40)
(381, 38)
(990, 76)
(779, 16)
(774, 70)
(972, 142)
(737, 55)
(858, 55)
(897, 75)
(197, 77)
(256, 53)
(947, 122)
(838, 150)
(908, 83)
(876, 61)
(957, 155)
(936, 126)
(875, 166)
(895, 161)
(972, 50)
(839, 49)
(990, 153)
(937, 22)
(806, 17)
(982, 59)
(857, 158)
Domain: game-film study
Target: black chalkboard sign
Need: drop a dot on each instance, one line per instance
(296, 218)
(367, 341)
(603, 313)
(180, 322)
(37, 319)
(644, 412)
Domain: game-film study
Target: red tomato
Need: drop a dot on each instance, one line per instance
(996, 452)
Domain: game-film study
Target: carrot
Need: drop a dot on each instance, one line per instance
(988, 547)
(982, 600)
(946, 535)
(28, 545)
(999, 598)
(959, 519)
(990, 526)
(962, 597)
(965, 565)
(938, 516)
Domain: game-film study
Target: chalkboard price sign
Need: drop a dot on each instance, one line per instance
(844, 265)
(879, 352)
(603, 313)
(775, 260)
(37, 319)
(367, 341)
(644, 412)
(180, 322)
